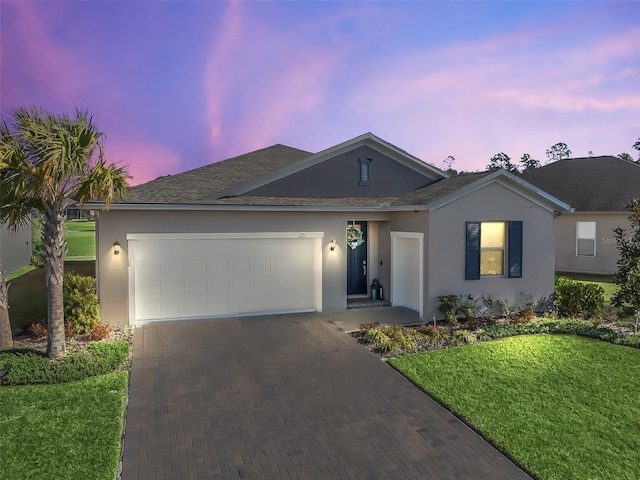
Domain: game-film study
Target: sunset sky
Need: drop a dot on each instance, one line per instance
(176, 85)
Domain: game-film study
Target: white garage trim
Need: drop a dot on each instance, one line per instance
(307, 274)
(407, 270)
(214, 236)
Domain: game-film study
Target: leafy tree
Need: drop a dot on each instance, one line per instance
(528, 163)
(637, 147)
(627, 278)
(626, 156)
(502, 160)
(50, 162)
(558, 152)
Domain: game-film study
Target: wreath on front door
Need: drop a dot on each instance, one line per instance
(354, 237)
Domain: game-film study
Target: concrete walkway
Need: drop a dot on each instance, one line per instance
(287, 396)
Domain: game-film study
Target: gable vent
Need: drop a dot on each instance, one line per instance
(365, 171)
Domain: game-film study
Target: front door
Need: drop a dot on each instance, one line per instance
(357, 263)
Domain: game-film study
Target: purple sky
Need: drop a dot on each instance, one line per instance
(176, 85)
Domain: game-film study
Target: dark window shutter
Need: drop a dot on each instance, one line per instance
(472, 260)
(515, 249)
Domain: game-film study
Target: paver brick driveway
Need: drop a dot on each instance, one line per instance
(286, 396)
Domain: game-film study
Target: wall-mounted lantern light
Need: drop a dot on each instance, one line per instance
(332, 244)
(116, 248)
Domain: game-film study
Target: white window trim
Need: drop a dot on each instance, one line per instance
(505, 252)
(595, 244)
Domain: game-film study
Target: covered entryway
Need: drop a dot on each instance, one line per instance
(407, 275)
(357, 247)
(177, 276)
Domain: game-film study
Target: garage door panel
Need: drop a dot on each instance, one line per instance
(192, 278)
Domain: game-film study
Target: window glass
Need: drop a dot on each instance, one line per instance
(586, 239)
(492, 247)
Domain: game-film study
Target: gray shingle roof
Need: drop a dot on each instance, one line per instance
(591, 184)
(193, 186)
(439, 189)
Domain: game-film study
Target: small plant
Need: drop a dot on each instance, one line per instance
(488, 306)
(507, 310)
(99, 331)
(449, 306)
(525, 316)
(38, 330)
(81, 310)
(468, 307)
(463, 337)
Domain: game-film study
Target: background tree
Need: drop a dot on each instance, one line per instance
(627, 278)
(448, 162)
(528, 163)
(558, 152)
(51, 162)
(626, 156)
(502, 160)
(637, 147)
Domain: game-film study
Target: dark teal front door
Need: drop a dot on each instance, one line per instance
(357, 264)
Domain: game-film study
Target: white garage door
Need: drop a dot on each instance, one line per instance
(175, 277)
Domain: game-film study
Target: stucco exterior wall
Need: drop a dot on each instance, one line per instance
(15, 248)
(340, 177)
(114, 226)
(446, 252)
(604, 262)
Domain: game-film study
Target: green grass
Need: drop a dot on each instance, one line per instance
(563, 406)
(81, 239)
(28, 294)
(65, 431)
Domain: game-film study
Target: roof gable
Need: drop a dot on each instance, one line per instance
(590, 184)
(453, 188)
(367, 140)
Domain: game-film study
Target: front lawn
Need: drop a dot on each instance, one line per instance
(66, 431)
(81, 240)
(563, 406)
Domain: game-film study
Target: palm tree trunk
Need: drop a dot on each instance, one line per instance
(6, 340)
(54, 250)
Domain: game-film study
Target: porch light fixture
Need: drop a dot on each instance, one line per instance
(116, 248)
(332, 244)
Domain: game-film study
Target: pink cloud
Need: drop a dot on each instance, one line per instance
(280, 78)
(39, 67)
(145, 161)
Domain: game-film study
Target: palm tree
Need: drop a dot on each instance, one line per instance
(51, 162)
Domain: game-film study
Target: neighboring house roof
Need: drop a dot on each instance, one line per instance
(591, 184)
(229, 183)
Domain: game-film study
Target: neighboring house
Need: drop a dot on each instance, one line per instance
(599, 189)
(266, 232)
(15, 248)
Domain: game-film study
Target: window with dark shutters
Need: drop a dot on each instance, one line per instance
(486, 261)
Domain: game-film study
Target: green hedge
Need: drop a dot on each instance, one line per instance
(29, 367)
(571, 327)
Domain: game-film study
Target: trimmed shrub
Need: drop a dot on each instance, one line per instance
(29, 367)
(574, 298)
(81, 309)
